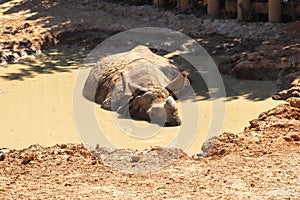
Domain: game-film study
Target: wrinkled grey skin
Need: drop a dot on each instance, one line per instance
(139, 84)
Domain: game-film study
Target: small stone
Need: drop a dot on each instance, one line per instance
(234, 57)
(294, 102)
(23, 53)
(218, 47)
(134, 159)
(239, 40)
(2, 156)
(296, 138)
(222, 151)
(251, 57)
(285, 48)
(15, 57)
(266, 42)
(8, 45)
(38, 52)
(24, 43)
(284, 59)
(26, 25)
(68, 184)
(254, 124)
(7, 55)
(33, 48)
(94, 162)
(28, 159)
(208, 146)
(63, 146)
(3, 151)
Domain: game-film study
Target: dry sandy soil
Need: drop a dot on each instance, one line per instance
(263, 162)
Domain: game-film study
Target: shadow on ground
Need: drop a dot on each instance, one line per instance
(63, 58)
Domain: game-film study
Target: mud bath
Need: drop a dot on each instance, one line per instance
(36, 106)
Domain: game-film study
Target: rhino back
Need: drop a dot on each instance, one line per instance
(146, 74)
(96, 74)
(106, 84)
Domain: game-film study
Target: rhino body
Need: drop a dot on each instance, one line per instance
(139, 84)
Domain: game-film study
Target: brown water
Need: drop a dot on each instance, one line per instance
(37, 99)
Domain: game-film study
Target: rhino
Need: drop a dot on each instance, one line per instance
(138, 84)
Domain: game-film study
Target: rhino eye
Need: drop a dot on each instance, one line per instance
(139, 92)
(172, 94)
(142, 91)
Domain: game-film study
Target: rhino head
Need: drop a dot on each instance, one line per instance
(156, 104)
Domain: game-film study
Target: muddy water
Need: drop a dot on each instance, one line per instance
(37, 98)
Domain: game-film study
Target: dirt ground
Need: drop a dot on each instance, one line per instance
(263, 162)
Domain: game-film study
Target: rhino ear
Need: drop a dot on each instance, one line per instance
(178, 84)
(136, 90)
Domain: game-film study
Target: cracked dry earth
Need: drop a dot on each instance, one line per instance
(263, 162)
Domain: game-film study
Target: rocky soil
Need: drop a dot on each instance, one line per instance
(260, 163)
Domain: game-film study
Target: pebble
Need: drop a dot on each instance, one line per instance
(6, 54)
(2, 156)
(3, 62)
(38, 52)
(208, 146)
(23, 53)
(252, 57)
(134, 159)
(3, 151)
(26, 25)
(15, 57)
(294, 101)
(235, 57)
(33, 48)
